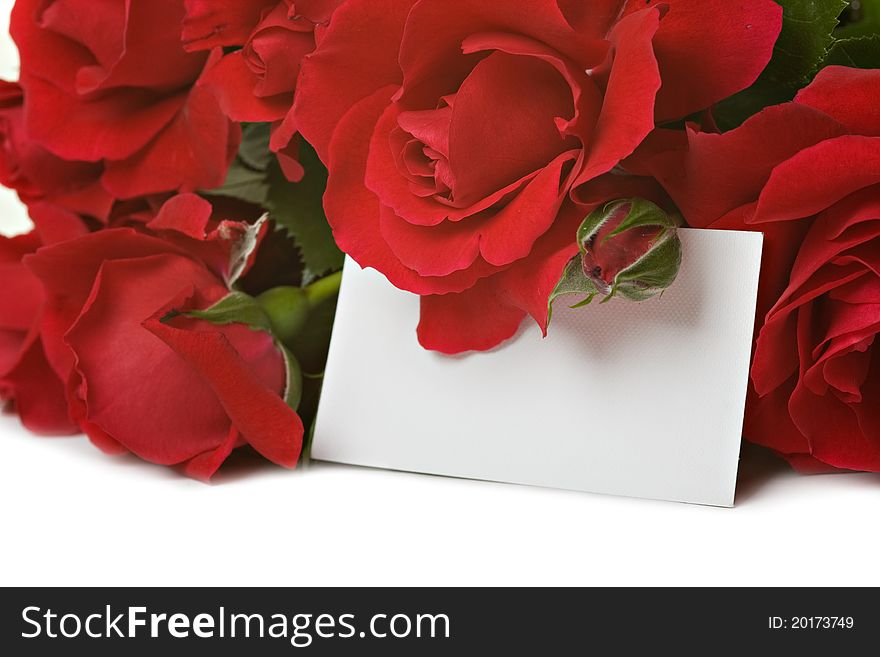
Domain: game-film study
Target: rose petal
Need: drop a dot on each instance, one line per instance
(529, 283)
(21, 294)
(112, 347)
(775, 355)
(193, 152)
(849, 95)
(68, 271)
(384, 177)
(211, 23)
(113, 126)
(257, 410)
(720, 172)
(710, 49)
(49, 56)
(187, 214)
(478, 319)
(595, 17)
(813, 179)
(500, 132)
(353, 62)
(768, 422)
(353, 211)
(431, 36)
(38, 393)
(833, 431)
(627, 115)
(150, 33)
(234, 84)
(586, 96)
(848, 372)
(204, 466)
(501, 237)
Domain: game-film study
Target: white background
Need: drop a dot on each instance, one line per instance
(71, 515)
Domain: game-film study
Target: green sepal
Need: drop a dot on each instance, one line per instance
(293, 384)
(573, 281)
(235, 308)
(652, 274)
(241, 308)
(246, 179)
(642, 213)
(592, 224)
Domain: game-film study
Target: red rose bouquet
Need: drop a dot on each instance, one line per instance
(195, 169)
(175, 297)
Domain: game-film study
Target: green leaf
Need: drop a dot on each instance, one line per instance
(236, 308)
(254, 150)
(803, 45)
(299, 209)
(243, 183)
(806, 37)
(858, 52)
(862, 18)
(733, 112)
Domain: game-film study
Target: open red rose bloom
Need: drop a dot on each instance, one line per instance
(113, 86)
(172, 389)
(464, 141)
(257, 82)
(806, 174)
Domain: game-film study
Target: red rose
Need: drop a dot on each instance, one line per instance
(41, 178)
(257, 82)
(110, 84)
(143, 377)
(25, 376)
(457, 134)
(208, 24)
(808, 168)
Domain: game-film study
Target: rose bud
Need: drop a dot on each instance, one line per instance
(630, 248)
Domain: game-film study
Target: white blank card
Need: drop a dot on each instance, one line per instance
(643, 400)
